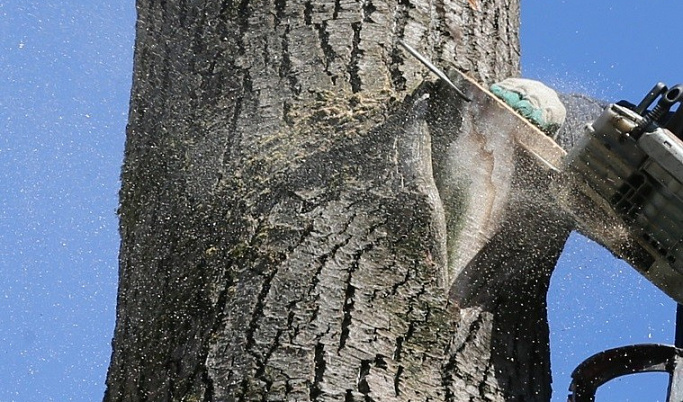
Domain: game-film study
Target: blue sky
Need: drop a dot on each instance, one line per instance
(65, 71)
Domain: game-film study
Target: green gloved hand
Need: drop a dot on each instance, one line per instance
(535, 101)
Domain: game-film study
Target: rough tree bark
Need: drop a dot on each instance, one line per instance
(283, 231)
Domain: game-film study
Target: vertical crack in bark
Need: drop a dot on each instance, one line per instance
(280, 6)
(397, 78)
(262, 364)
(348, 308)
(308, 12)
(400, 18)
(285, 72)
(219, 308)
(356, 54)
(337, 9)
(319, 370)
(322, 260)
(208, 387)
(288, 389)
(328, 52)
(496, 24)
(398, 349)
(291, 329)
(315, 279)
(488, 369)
(397, 380)
(380, 362)
(349, 295)
(348, 397)
(253, 324)
(362, 382)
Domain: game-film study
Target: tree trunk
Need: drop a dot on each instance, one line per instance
(286, 215)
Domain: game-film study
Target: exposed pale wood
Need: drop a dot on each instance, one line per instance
(476, 171)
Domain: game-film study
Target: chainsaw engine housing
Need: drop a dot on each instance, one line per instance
(630, 166)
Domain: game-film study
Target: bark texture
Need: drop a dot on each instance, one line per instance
(283, 233)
